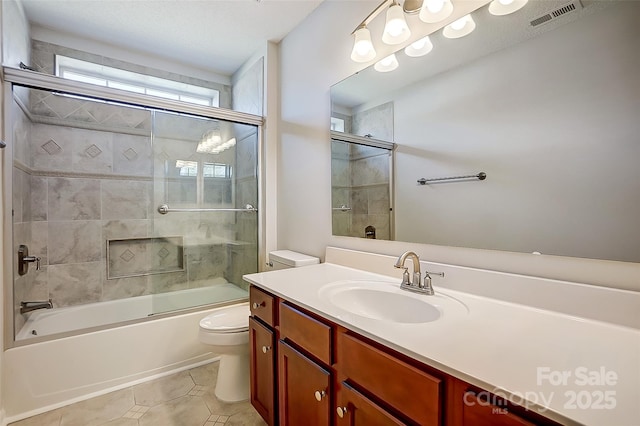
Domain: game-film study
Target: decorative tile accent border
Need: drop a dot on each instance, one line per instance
(130, 154)
(51, 147)
(134, 257)
(93, 151)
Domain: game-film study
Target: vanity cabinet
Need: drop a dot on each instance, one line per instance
(326, 374)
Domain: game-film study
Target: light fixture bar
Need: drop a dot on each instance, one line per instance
(372, 15)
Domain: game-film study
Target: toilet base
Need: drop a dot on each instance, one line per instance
(233, 378)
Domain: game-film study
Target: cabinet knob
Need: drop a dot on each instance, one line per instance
(341, 411)
(256, 305)
(319, 395)
(266, 349)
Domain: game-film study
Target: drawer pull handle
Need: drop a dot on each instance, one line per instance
(256, 305)
(319, 395)
(266, 349)
(341, 411)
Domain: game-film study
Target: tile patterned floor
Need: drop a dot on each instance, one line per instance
(182, 399)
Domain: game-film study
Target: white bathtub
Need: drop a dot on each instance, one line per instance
(45, 375)
(44, 322)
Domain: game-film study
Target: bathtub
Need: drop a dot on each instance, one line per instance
(45, 375)
(45, 322)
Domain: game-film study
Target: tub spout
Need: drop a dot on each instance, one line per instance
(32, 306)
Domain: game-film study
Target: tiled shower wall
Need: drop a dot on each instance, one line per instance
(360, 180)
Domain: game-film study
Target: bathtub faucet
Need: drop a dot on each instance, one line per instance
(32, 306)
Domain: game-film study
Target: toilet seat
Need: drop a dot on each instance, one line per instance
(230, 319)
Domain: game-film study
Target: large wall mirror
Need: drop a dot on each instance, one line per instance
(550, 113)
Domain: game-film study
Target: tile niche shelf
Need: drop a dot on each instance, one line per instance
(144, 256)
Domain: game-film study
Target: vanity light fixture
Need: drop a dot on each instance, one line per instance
(387, 64)
(433, 11)
(460, 28)
(505, 7)
(396, 29)
(419, 47)
(363, 50)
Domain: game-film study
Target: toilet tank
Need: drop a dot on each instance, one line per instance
(282, 259)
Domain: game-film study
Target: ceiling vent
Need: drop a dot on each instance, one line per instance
(557, 12)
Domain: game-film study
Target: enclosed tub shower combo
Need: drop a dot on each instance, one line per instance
(126, 210)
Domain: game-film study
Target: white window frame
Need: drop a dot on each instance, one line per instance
(100, 75)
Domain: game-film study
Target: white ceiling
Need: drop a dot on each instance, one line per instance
(213, 35)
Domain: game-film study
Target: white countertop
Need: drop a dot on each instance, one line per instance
(502, 347)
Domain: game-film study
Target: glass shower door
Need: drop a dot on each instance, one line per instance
(205, 198)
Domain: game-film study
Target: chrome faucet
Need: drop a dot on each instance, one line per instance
(416, 285)
(32, 306)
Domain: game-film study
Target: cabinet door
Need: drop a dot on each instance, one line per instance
(477, 412)
(262, 370)
(303, 389)
(355, 409)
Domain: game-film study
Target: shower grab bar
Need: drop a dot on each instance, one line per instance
(343, 208)
(164, 209)
(479, 176)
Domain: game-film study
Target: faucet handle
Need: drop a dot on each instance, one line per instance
(405, 276)
(428, 274)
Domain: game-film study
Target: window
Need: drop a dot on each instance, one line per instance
(88, 72)
(337, 124)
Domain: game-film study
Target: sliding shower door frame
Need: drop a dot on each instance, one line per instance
(35, 80)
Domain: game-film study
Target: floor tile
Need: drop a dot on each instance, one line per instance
(99, 410)
(163, 389)
(184, 411)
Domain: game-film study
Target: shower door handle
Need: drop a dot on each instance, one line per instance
(24, 259)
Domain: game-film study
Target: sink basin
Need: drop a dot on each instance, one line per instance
(385, 301)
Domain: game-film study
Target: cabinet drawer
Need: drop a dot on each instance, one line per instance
(405, 388)
(306, 332)
(262, 305)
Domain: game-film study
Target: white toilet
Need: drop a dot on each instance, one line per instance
(226, 329)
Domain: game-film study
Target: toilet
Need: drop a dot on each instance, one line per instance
(226, 330)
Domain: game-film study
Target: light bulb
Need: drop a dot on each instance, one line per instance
(396, 29)
(505, 7)
(505, 2)
(435, 6)
(387, 64)
(459, 24)
(419, 48)
(363, 50)
(460, 27)
(433, 11)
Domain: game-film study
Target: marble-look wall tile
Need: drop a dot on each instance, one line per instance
(359, 201)
(37, 288)
(376, 121)
(128, 257)
(74, 241)
(340, 172)
(247, 90)
(174, 281)
(92, 151)
(73, 199)
(19, 194)
(75, 284)
(125, 199)
(132, 155)
(39, 241)
(206, 261)
(39, 198)
(51, 148)
(378, 197)
(370, 170)
(341, 223)
(122, 288)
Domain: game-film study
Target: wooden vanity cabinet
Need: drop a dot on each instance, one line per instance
(306, 370)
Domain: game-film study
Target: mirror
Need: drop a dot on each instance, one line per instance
(550, 114)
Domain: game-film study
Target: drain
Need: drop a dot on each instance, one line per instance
(35, 333)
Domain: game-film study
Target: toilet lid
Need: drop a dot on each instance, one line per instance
(231, 319)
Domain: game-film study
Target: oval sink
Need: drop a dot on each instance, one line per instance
(384, 305)
(385, 301)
